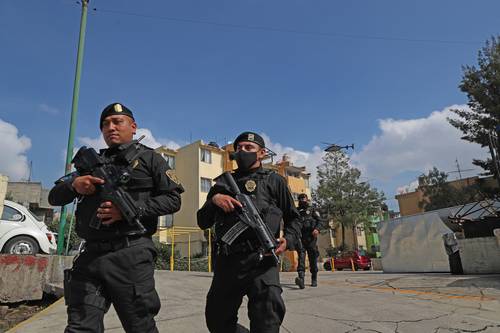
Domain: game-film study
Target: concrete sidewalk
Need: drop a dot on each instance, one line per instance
(343, 302)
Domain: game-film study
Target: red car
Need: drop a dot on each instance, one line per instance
(343, 261)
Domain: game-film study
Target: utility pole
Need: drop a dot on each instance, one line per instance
(74, 110)
(31, 170)
(458, 168)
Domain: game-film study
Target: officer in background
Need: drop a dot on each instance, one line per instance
(311, 225)
(240, 269)
(117, 264)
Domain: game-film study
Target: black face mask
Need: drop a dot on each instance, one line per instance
(244, 159)
(303, 204)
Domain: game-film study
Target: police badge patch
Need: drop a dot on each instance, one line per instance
(172, 176)
(250, 185)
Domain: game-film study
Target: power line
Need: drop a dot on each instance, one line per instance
(282, 30)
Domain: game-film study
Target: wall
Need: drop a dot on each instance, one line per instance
(408, 203)
(25, 193)
(188, 172)
(298, 185)
(480, 255)
(3, 191)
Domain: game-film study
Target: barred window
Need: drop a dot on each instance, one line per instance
(166, 221)
(205, 184)
(170, 160)
(206, 156)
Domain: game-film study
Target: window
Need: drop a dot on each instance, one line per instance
(206, 156)
(170, 160)
(11, 214)
(166, 221)
(206, 184)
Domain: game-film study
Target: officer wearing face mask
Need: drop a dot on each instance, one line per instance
(311, 225)
(241, 270)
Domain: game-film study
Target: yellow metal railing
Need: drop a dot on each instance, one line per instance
(175, 231)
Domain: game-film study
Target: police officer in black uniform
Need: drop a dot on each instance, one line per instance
(311, 224)
(117, 263)
(240, 268)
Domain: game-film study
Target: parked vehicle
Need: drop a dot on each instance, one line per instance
(343, 261)
(22, 232)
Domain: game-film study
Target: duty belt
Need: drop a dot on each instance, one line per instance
(236, 248)
(111, 245)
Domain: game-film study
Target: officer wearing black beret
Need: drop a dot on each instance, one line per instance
(311, 224)
(240, 267)
(117, 264)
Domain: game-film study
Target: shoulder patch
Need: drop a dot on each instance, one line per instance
(172, 176)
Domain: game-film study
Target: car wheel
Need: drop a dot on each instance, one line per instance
(22, 245)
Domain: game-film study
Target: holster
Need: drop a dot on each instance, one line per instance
(78, 292)
(66, 284)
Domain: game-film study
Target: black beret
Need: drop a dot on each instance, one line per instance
(115, 109)
(250, 137)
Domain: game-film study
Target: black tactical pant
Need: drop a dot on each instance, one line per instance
(236, 276)
(309, 246)
(123, 278)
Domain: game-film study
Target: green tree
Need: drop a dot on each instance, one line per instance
(342, 195)
(74, 240)
(482, 86)
(438, 193)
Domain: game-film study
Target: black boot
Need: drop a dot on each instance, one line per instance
(299, 280)
(314, 279)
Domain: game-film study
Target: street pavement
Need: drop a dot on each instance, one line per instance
(343, 302)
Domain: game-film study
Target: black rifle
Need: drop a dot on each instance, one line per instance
(88, 162)
(249, 217)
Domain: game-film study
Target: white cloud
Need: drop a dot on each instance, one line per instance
(416, 145)
(407, 188)
(309, 159)
(48, 109)
(149, 140)
(403, 146)
(13, 161)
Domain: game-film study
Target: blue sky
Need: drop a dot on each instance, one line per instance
(347, 72)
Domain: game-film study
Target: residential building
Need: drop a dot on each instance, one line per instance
(409, 202)
(3, 190)
(33, 196)
(196, 165)
(371, 233)
(296, 177)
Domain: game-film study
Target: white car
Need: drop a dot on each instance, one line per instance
(21, 232)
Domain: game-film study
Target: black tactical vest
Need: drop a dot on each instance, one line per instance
(140, 187)
(256, 185)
